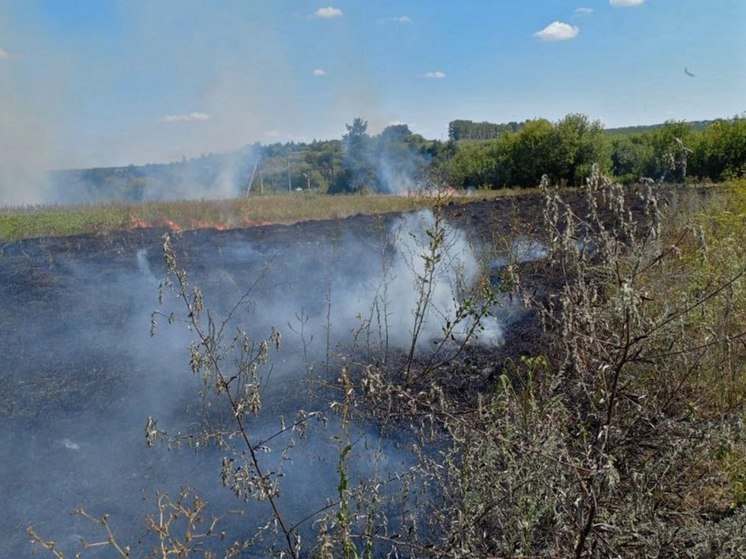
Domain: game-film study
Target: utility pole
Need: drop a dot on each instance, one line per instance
(251, 181)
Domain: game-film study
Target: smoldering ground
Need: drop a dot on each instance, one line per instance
(82, 373)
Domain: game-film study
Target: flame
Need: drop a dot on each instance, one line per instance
(172, 225)
(138, 223)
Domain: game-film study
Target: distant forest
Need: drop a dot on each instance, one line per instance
(476, 155)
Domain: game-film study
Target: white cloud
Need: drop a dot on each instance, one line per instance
(395, 19)
(5, 55)
(187, 117)
(557, 31)
(434, 75)
(583, 11)
(626, 3)
(318, 72)
(328, 13)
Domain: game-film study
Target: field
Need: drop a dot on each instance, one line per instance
(412, 390)
(50, 221)
(89, 297)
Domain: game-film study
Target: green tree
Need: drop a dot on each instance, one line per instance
(468, 130)
(470, 167)
(531, 153)
(720, 151)
(324, 160)
(482, 164)
(579, 144)
(671, 145)
(632, 157)
(357, 170)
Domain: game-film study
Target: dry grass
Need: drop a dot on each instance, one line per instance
(43, 221)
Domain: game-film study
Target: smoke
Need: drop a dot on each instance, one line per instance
(214, 177)
(136, 89)
(403, 174)
(24, 152)
(400, 287)
(393, 162)
(82, 373)
(370, 285)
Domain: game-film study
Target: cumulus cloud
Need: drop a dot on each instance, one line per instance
(318, 72)
(558, 31)
(395, 19)
(626, 3)
(328, 13)
(583, 11)
(434, 75)
(5, 55)
(187, 117)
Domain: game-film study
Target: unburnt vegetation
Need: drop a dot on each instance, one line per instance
(55, 221)
(398, 160)
(611, 425)
(285, 183)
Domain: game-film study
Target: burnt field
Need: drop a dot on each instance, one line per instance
(548, 375)
(81, 372)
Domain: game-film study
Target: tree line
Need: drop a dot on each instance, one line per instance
(476, 155)
(394, 160)
(565, 151)
(483, 155)
(469, 130)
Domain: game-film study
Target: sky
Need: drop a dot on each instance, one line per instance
(88, 83)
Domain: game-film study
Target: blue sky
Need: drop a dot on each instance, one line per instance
(86, 83)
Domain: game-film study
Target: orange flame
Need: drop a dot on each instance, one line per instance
(138, 223)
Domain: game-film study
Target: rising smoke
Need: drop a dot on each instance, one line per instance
(83, 373)
(24, 152)
(210, 177)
